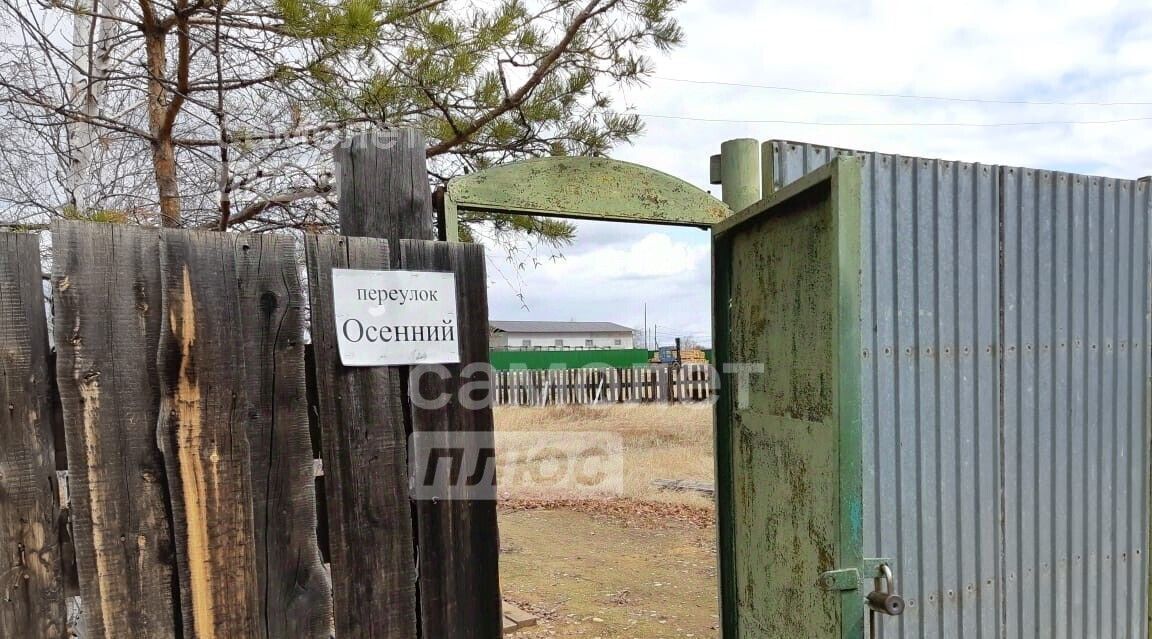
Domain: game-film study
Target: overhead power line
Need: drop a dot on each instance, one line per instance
(890, 124)
(904, 96)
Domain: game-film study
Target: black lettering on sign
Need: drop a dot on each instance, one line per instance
(355, 325)
(396, 294)
(355, 332)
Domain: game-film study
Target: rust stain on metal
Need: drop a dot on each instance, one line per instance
(784, 445)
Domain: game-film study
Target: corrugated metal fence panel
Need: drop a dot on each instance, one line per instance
(1076, 275)
(1033, 521)
(929, 328)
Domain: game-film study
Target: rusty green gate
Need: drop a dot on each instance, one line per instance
(786, 277)
(937, 369)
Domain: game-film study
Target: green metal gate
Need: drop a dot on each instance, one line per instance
(788, 440)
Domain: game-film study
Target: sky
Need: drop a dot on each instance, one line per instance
(1007, 61)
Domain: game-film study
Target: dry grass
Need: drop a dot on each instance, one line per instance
(639, 567)
(586, 577)
(660, 442)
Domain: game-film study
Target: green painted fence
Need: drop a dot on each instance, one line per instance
(543, 360)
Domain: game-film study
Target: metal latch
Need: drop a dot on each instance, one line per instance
(851, 578)
(883, 601)
(847, 579)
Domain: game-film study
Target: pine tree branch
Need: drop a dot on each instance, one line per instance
(288, 134)
(183, 61)
(543, 69)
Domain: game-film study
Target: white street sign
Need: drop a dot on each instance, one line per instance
(390, 318)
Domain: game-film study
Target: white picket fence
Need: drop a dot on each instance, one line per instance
(652, 383)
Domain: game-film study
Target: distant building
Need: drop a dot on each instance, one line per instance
(558, 336)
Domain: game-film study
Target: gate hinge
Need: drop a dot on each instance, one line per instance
(851, 578)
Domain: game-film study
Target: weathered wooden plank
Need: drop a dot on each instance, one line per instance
(31, 586)
(518, 617)
(294, 588)
(365, 463)
(206, 415)
(384, 186)
(458, 539)
(686, 485)
(107, 323)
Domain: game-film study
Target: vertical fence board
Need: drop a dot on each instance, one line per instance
(294, 589)
(649, 383)
(107, 322)
(206, 413)
(458, 540)
(383, 182)
(31, 588)
(365, 464)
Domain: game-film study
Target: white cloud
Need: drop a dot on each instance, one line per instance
(656, 255)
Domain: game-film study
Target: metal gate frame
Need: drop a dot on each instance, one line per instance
(595, 188)
(839, 182)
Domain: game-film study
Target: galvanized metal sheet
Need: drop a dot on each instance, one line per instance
(1006, 457)
(1076, 364)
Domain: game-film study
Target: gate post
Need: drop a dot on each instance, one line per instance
(739, 174)
(382, 182)
(384, 193)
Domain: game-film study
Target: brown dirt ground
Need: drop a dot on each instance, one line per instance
(642, 566)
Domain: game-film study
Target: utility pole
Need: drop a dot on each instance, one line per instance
(645, 325)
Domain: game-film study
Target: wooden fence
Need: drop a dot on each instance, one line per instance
(654, 383)
(179, 401)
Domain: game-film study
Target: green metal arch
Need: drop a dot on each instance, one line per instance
(583, 187)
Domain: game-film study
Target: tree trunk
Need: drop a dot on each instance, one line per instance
(163, 150)
(79, 132)
(164, 165)
(91, 65)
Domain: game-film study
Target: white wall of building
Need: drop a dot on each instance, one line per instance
(562, 341)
